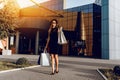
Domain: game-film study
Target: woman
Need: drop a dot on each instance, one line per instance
(52, 44)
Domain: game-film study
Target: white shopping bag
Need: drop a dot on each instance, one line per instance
(45, 59)
(6, 52)
(61, 38)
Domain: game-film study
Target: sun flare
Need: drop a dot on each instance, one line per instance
(27, 3)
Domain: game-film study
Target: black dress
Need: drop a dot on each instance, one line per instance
(53, 43)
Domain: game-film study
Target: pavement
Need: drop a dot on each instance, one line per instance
(70, 68)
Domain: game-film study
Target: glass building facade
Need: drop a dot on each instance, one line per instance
(82, 27)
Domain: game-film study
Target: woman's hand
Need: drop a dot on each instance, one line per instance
(60, 29)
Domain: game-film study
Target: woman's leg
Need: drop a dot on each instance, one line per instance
(56, 62)
(52, 59)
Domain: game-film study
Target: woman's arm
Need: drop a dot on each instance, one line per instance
(48, 39)
(60, 29)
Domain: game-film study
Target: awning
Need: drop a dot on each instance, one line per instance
(38, 11)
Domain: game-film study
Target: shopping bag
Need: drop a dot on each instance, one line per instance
(61, 38)
(45, 59)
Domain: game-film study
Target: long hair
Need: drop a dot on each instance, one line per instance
(54, 20)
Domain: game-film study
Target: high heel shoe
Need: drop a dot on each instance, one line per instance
(52, 73)
(57, 71)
